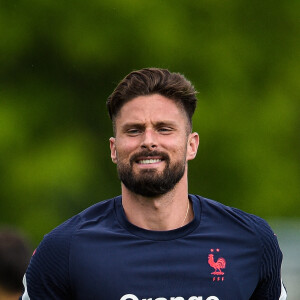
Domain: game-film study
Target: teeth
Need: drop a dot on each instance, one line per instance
(149, 161)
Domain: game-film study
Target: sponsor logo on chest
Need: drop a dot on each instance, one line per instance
(133, 297)
(218, 264)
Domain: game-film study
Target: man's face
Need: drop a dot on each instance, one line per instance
(152, 145)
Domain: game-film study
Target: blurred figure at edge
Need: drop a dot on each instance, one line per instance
(14, 258)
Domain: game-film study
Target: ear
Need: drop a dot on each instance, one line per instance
(192, 146)
(113, 151)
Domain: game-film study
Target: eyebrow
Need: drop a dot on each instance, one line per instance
(142, 125)
(166, 123)
(133, 124)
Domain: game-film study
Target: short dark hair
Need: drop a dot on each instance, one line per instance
(150, 81)
(14, 259)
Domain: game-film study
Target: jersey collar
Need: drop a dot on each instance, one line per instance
(159, 235)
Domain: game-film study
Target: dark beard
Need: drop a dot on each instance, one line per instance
(148, 183)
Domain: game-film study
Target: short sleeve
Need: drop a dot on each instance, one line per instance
(47, 276)
(270, 285)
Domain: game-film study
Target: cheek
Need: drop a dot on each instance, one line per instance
(176, 148)
(126, 150)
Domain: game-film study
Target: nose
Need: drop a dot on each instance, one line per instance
(149, 140)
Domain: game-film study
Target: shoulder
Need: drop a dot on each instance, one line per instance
(58, 241)
(48, 271)
(98, 211)
(62, 234)
(237, 220)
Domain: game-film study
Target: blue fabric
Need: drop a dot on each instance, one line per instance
(223, 254)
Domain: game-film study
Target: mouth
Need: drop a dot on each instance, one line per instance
(149, 161)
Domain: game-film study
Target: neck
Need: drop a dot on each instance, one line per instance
(165, 212)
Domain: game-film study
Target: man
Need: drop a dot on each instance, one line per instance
(14, 259)
(156, 241)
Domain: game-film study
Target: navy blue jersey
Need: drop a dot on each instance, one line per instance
(223, 254)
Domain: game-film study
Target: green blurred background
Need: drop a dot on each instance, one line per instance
(60, 60)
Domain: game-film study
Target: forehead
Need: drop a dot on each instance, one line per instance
(153, 108)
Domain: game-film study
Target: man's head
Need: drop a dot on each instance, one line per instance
(14, 259)
(151, 81)
(152, 125)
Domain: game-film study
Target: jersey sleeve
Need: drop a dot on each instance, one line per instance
(270, 286)
(47, 276)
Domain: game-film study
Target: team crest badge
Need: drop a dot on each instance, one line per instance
(218, 264)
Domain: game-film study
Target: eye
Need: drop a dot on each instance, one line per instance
(165, 130)
(133, 131)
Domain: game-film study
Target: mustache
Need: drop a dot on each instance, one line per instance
(147, 153)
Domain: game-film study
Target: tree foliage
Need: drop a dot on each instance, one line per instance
(61, 59)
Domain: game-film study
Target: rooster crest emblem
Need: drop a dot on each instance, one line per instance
(216, 265)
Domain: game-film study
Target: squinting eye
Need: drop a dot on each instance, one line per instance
(133, 131)
(165, 129)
